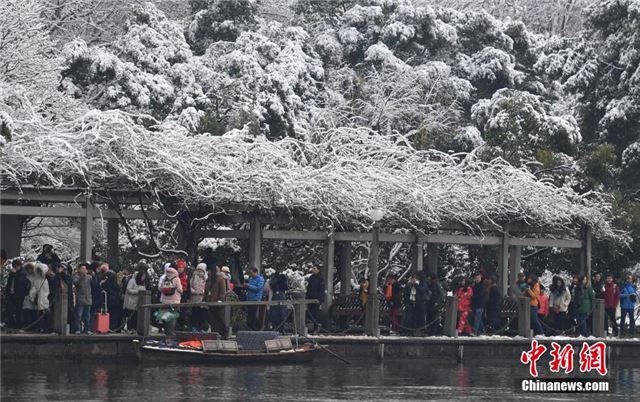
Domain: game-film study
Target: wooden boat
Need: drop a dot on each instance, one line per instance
(293, 356)
(273, 350)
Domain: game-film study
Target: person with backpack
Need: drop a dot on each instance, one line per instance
(197, 284)
(628, 300)
(170, 293)
(135, 285)
(110, 291)
(39, 295)
(435, 303)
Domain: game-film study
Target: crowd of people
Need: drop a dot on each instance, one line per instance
(415, 305)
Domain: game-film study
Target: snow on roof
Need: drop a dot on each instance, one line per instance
(337, 176)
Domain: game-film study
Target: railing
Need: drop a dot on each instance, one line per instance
(145, 307)
(60, 313)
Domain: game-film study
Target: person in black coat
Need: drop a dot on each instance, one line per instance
(18, 286)
(315, 290)
(47, 256)
(277, 314)
(416, 294)
(435, 303)
(493, 303)
(393, 296)
(478, 303)
(109, 285)
(59, 278)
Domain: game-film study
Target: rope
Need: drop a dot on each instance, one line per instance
(28, 327)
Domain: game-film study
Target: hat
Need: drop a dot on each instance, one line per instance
(181, 263)
(225, 269)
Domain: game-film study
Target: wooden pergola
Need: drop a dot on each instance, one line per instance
(74, 203)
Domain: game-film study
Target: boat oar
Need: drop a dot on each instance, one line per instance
(332, 353)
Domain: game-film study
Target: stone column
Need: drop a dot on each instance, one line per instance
(144, 314)
(599, 329)
(11, 234)
(255, 243)
(524, 317)
(451, 317)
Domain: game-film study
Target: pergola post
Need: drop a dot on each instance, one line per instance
(417, 263)
(255, 243)
(113, 249)
(86, 232)
(372, 313)
(11, 234)
(327, 271)
(432, 258)
(345, 251)
(585, 254)
(503, 263)
(515, 260)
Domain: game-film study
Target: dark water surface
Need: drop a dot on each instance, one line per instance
(412, 380)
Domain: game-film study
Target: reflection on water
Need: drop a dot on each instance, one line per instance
(325, 381)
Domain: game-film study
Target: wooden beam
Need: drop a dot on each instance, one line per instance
(255, 243)
(345, 253)
(86, 232)
(503, 264)
(530, 242)
(515, 260)
(21, 210)
(464, 239)
(417, 257)
(432, 258)
(113, 248)
(225, 234)
(294, 235)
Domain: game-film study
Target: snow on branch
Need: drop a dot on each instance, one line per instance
(337, 176)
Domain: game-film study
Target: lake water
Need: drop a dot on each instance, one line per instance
(411, 380)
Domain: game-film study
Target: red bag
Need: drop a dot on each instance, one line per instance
(101, 319)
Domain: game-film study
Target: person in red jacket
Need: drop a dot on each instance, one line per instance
(611, 297)
(464, 294)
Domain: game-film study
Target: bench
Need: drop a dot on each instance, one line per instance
(348, 308)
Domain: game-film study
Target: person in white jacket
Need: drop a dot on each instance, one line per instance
(134, 286)
(39, 294)
(559, 301)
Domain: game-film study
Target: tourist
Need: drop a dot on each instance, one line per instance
(16, 290)
(181, 267)
(611, 295)
(478, 303)
(363, 292)
(255, 289)
(521, 283)
(83, 283)
(278, 314)
(435, 303)
(597, 285)
(573, 305)
(210, 261)
(216, 292)
(122, 279)
(135, 285)
(315, 290)
(585, 297)
(29, 311)
(39, 295)
(628, 300)
(170, 293)
(97, 297)
(47, 256)
(463, 293)
(60, 280)
(393, 296)
(197, 284)
(110, 289)
(227, 277)
(533, 292)
(494, 301)
(559, 300)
